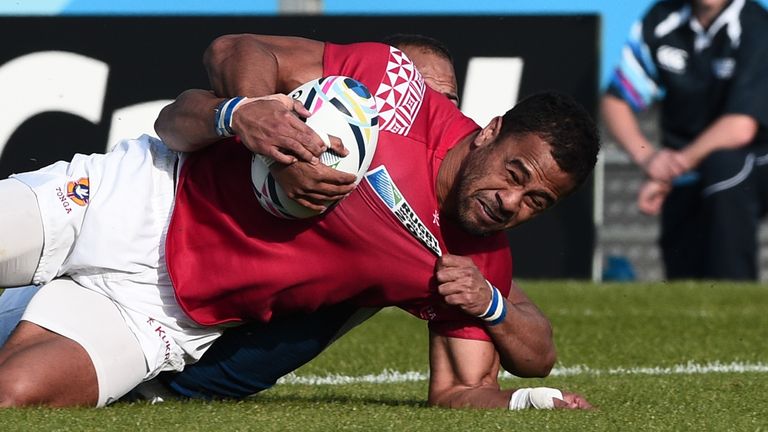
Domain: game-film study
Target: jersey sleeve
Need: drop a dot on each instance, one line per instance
(407, 106)
(635, 79)
(454, 126)
(460, 330)
(365, 62)
(749, 88)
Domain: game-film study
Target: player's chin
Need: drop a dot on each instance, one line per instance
(476, 227)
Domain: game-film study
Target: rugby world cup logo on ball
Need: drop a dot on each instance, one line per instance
(340, 107)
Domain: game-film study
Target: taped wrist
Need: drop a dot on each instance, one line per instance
(223, 113)
(497, 308)
(538, 398)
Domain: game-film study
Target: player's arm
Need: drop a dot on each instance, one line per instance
(250, 66)
(523, 337)
(624, 127)
(729, 131)
(622, 124)
(258, 65)
(634, 86)
(464, 373)
(189, 123)
(745, 108)
(261, 69)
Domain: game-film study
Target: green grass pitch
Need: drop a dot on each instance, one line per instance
(651, 357)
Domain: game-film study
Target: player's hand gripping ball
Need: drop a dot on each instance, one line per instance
(340, 107)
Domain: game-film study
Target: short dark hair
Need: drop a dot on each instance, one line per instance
(419, 41)
(564, 124)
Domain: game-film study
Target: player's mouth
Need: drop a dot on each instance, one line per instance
(490, 214)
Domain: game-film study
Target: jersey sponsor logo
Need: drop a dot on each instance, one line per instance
(672, 59)
(723, 67)
(78, 191)
(400, 94)
(390, 195)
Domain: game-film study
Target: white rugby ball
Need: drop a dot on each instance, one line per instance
(340, 107)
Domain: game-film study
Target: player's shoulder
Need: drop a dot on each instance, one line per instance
(367, 49)
(754, 8)
(369, 62)
(667, 7)
(661, 19)
(754, 20)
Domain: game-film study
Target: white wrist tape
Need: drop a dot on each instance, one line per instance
(539, 398)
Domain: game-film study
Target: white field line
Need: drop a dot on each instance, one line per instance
(393, 377)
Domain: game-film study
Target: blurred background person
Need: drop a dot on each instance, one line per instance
(706, 62)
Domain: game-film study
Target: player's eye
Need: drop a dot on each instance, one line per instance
(535, 203)
(514, 177)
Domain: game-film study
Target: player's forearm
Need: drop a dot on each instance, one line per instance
(727, 132)
(624, 127)
(464, 373)
(524, 341)
(187, 124)
(488, 396)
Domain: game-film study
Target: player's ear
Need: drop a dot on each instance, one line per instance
(489, 133)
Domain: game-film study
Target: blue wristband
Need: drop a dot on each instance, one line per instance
(223, 116)
(497, 309)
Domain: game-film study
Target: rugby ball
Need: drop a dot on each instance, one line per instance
(340, 107)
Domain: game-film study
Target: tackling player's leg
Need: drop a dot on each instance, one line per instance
(38, 366)
(82, 354)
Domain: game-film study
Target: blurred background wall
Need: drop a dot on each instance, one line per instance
(617, 15)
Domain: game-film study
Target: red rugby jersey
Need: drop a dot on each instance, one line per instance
(229, 260)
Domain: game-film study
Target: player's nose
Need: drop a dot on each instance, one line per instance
(509, 201)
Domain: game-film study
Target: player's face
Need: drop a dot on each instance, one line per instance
(504, 184)
(437, 71)
(710, 4)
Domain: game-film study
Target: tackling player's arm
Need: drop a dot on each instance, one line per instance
(251, 66)
(262, 69)
(188, 124)
(258, 65)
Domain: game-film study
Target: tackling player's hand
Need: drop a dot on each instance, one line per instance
(272, 126)
(572, 401)
(313, 185)
(461, 284)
